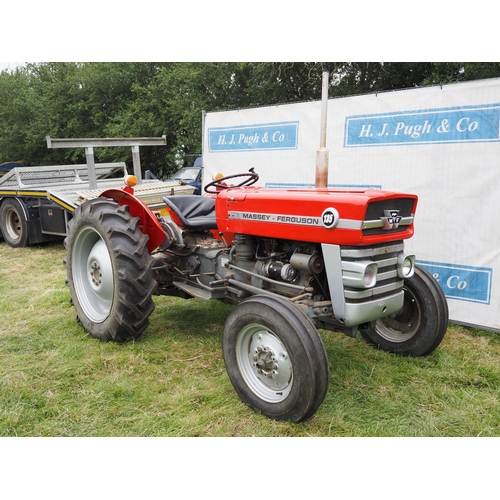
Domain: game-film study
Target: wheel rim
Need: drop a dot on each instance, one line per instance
(264, 363)
(13, 224)
(92, 275)
(405, 324)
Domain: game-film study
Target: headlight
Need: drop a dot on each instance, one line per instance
(359, 274)
(370, 275)
(406, 265)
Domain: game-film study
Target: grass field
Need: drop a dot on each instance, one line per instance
(57, 381)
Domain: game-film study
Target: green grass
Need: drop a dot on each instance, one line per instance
(57, 381)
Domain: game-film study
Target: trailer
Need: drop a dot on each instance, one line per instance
(36, 203)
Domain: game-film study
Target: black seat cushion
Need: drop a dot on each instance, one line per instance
(195, 212)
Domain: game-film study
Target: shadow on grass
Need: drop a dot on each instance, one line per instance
(189, 317)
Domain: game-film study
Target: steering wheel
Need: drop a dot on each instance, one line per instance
(251, 178)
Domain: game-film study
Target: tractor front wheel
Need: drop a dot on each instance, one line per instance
(275, 358)
(109, 271)
(419, 327)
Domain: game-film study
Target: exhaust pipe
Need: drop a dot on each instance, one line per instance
(322, 152)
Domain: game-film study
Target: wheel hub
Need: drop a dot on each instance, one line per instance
(13, 225)
(401, 327)
(100, 270)
(264, 360)
(95, 273)
(270, 361)
(264, 363)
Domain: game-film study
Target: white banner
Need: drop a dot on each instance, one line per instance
(440, 143)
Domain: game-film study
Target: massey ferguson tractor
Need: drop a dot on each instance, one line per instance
(292, 261)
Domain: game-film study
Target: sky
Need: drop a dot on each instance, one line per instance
(9, 65)
(260, 31)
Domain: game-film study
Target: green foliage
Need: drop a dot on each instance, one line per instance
(457, 72)
(360, 78)
(15, 115)
(148, 99)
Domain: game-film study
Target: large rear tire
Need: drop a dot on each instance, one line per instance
(419, 327)
(275, 358)
(109, 271)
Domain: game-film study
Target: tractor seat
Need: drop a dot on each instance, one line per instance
(195, 212)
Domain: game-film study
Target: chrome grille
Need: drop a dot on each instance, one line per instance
(388, 282)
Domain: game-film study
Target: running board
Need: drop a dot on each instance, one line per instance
(193, 290)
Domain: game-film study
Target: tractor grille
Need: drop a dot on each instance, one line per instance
(388, 281)
(376, 211)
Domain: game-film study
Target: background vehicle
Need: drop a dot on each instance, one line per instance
(8, 166)
(190, 175)
(36, 203)
(291, 261)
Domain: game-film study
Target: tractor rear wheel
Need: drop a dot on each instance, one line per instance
(275, 358)
(109, 271)
(419, 327)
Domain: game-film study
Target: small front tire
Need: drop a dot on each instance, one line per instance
(419, 327)
(275, 358)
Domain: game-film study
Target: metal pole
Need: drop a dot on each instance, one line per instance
(136, 160)
(322, 152)
(203, 116)
(89, 153)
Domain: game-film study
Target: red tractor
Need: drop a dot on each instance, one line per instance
(292, 261)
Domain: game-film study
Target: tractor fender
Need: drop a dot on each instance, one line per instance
(148, 223)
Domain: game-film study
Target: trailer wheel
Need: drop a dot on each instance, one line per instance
(13, 224)
(275, 358)
(109, 271)
(419, 327)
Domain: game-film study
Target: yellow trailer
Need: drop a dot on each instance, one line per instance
(36, 203)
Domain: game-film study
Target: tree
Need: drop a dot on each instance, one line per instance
(446, 72)
(151, 99)
(364, 77)
(172, 105)
(15, 114)
(277, 83)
